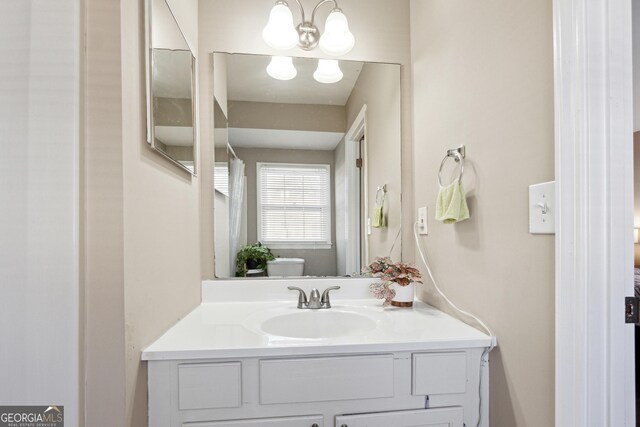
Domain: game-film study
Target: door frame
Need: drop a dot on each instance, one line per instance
(353, 217)
(594, 199)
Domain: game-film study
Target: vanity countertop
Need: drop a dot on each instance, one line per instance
(232, 326)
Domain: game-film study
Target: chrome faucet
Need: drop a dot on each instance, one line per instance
(315, 301)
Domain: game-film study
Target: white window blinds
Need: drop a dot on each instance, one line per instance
(221, 177)
(294, 205)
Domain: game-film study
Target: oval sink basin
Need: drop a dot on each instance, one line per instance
(318, 324)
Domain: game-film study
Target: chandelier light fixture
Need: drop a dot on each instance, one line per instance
(281, 34)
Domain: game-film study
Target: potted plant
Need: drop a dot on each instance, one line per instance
(397, 280)
(252, 257)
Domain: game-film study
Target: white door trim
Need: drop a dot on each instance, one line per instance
(353, 223)
(594, 243)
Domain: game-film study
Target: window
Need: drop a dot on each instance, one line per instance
(221, 177)
(294, 205)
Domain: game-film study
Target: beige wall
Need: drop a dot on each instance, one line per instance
(211, 77)
(142, 223)
(165, 32)
(161, 252)
(220, 80)
(103, 220)
(378, 87)
(483, 76)
(223, 260)
(303, 117)
(185, 13)
(382, 34)
(340, 207)
(173, 112)
(178, 152)
(221, 225)
(318, 262)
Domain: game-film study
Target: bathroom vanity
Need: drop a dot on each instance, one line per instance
(247, 356)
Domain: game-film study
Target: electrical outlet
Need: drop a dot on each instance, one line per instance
(422, 220)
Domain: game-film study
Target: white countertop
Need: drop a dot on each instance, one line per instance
(230, 327)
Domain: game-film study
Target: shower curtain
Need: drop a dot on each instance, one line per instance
(236, 198)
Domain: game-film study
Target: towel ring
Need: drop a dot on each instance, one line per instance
(458, 154)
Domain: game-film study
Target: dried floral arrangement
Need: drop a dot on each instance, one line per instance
(390, 272)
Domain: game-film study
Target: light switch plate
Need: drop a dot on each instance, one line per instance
(542, 204)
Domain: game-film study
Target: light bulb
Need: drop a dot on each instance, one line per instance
(281, 68)
(336, 40)
(328, 71)
(279, 32)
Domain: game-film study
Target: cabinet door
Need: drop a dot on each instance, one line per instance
(442, 417)
(308, 421)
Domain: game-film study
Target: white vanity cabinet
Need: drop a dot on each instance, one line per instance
(387, 389)
(219, 367)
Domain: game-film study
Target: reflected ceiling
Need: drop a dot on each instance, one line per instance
(251, 82)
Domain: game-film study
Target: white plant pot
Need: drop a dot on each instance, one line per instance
(404, 295)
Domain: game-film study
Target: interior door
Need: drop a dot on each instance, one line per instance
(442, 417)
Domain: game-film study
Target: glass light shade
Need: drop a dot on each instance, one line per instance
(337, 40)
(279, 32)
(328, 71)
(281, 68)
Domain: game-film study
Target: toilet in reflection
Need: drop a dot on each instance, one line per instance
(285, 267)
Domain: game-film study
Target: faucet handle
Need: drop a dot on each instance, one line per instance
(302, 296)
(325, 296)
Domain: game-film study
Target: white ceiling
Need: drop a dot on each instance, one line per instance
(247, 80)
(284, 139)
(220, 137)
(181, 136)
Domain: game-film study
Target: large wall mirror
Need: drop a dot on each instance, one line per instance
(171, 107)
(307, 165)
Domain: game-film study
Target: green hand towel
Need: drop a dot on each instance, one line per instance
(452, 206)
(379, 220)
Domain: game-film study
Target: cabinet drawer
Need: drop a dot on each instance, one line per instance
(445, 417)
(326, 378)
(209, 385)
(439, 373)
(308, 421)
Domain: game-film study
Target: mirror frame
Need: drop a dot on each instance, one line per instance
(149, 89)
